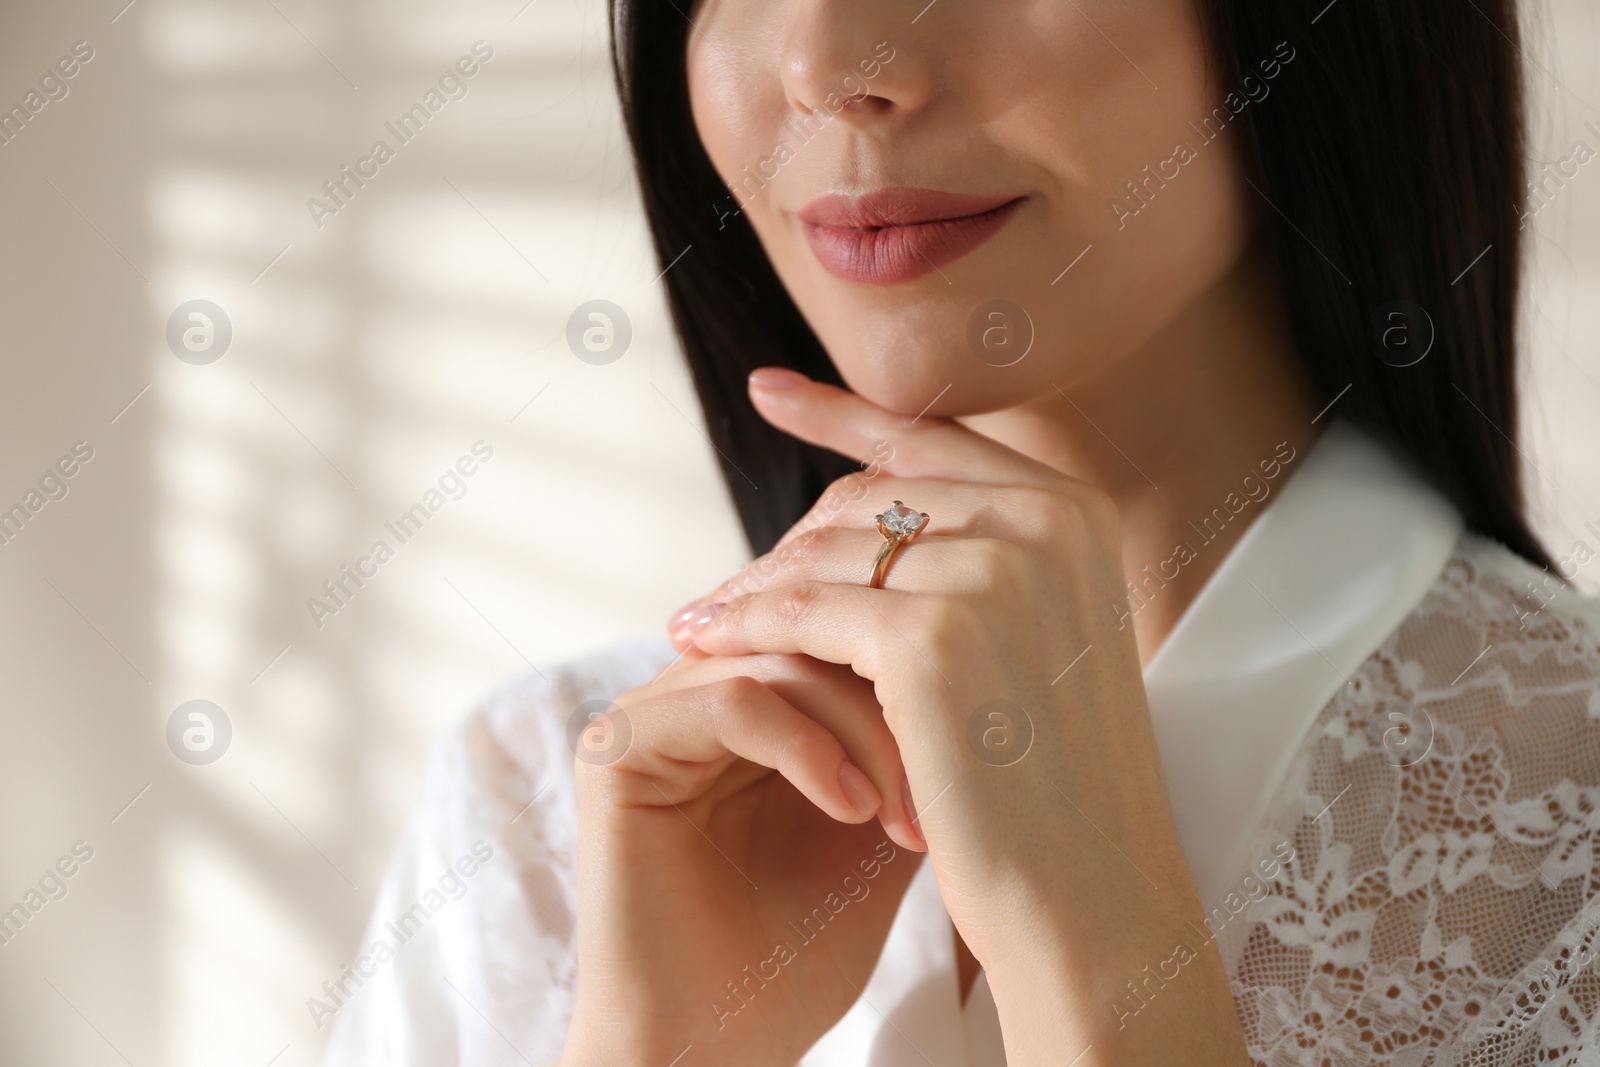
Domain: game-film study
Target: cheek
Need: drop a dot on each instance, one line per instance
(736, 99)
(1136, 180)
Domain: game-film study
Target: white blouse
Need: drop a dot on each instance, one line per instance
(1382, 739)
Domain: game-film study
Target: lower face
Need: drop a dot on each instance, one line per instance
(977, 202)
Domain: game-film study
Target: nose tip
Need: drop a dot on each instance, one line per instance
(830, 69)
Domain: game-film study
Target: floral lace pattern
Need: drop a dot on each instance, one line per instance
(1444, 809)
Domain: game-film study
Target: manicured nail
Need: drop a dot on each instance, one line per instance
(680, 618)
(704, 617)
(858, 789)
(911, 813)
(777, 378)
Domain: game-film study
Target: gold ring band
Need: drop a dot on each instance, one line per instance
(880, 566)
(898, 525)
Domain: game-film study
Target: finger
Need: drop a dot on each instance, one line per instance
(843, 520)
(678, 623)
(840, 624)
(846, 707)
(682, 741)
(970, 509)
(963, 508)
(851, 425)
(836, 623)
(926, 563)
(849, 710)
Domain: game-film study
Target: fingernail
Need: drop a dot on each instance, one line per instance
(704, 617)
(680, 618)
(777, 378)
(858, 789)
(911, 813)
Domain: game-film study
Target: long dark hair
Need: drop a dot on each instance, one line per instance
(1396, 147)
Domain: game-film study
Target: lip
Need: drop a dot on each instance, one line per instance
(891, 236)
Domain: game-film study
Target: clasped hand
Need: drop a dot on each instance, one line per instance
(987, 706)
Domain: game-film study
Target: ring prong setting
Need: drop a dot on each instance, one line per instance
(897, 524)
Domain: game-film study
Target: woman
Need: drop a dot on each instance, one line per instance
(1209, 657)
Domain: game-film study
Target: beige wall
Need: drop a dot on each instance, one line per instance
(365, 359)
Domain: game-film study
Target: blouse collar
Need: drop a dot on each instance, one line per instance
(1344, 551)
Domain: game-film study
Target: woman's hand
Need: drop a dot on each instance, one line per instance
(735, 888)
(1014, 691)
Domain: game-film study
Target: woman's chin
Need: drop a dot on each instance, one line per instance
(949, 387)
(905, 358)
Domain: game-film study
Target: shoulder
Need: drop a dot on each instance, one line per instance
(1494, 639)
(1492, 589)
(470, 940)
(1491, 685)
(1441, 834)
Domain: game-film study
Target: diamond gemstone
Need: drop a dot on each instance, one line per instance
(903, 520)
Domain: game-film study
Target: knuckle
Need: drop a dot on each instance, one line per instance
(1048, 510)
(1101, 511)
(997, 558)
(795, 604)
(947, 625)
(737, 692)
(1040, 499)
(1005, 570)
(1080, 515)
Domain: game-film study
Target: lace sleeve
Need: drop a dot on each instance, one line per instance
(1440, 907)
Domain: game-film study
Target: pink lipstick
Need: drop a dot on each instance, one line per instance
(896, 235)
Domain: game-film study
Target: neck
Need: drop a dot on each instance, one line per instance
(1188, 434)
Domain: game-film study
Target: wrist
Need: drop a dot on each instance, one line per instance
(1136, 988)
